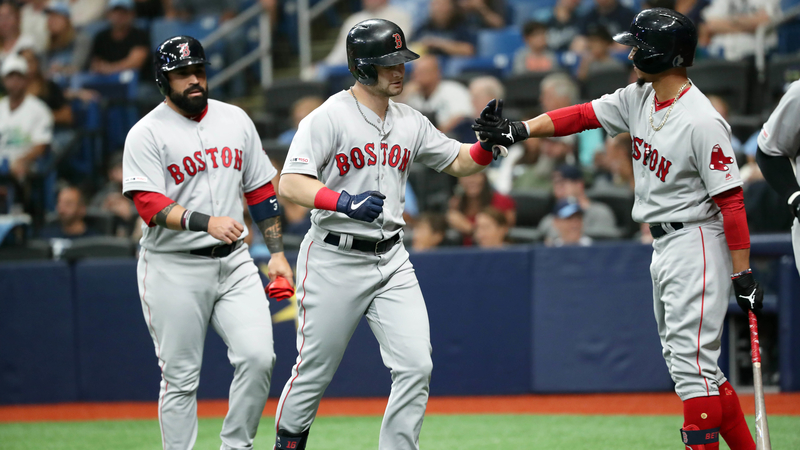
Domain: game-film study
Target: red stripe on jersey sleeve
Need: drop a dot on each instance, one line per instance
(148, 204)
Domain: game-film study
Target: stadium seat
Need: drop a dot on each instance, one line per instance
(605, 82)
(99, 247)
(35, 249)
(523, 89)
(532, 206)
(730, 80)
(100, 220)
(789, 37)
(282, 94)
(504, 41)
(621, 203)
(456, 67)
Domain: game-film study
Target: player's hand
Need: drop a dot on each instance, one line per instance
(492, 127)
(366, 206)
(749, 294)
(278, 266)
(225, 229)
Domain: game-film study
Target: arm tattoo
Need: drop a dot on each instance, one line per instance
(273, 234)
(161, 217)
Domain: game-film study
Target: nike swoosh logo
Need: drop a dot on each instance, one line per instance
(355, 205)
(272, 200)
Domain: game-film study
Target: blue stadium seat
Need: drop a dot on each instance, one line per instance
(504, 41)
(119, 90)
(496, 66)
(789, 37)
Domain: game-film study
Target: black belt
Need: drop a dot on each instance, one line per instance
(658, 230)
(364, 245)
(217, 251)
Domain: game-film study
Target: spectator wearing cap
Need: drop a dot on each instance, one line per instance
(67, 51)
(121, 46)
(597, 56)
(428, 232)
(11, 38)
(491, 228)
(71, 221)
(46, 90)
(568, 218)
(33, 22)
(535, 56)
(26, 123)
(473, 194)
(599, 218)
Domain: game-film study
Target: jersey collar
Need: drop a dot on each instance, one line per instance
(200, 116)
(666, 103)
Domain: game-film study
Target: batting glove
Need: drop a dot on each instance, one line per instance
(749, 294)
(492, 127)
(366, 206)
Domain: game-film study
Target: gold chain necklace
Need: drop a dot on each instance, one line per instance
(385, 116)
(653, 107)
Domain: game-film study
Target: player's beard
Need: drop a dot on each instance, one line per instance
(190, 105)
(640, 81)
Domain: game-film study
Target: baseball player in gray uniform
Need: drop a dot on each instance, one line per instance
(778, 146)
(350, 161)
(688, 190)
(186, 165)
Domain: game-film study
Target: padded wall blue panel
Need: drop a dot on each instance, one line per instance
(789, 318)
(37, 339)
(479, 308)
(115, 352)
(593, 324)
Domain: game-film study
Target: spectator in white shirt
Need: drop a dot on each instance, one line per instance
(26, 123)
(731, 26)
(448, 102)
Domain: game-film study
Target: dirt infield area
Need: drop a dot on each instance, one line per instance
(626, 404)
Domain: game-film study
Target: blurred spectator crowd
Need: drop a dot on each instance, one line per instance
(77, 74)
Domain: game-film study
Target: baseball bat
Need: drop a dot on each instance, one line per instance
(762, 429)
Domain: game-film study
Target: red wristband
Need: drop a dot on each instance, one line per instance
(479, 155)
(326, 199)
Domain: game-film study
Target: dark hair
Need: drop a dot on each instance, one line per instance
(436, 221)
(600, 32)
(15, 5)
(496, 215)
(485, 196)
(532, 27)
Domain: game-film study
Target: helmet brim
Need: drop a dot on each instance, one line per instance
(184, 63)
(392, 59)
(629, 39)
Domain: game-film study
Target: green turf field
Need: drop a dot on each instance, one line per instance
(465, 432)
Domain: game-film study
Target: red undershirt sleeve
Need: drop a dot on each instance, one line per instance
(148, 204)
(731, 203)
(260, 194)
(574, 119)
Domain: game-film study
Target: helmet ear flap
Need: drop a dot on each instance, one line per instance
(162, 82)
(368, 74)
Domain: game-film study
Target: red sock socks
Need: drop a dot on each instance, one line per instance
(734, 428)
(705, 413)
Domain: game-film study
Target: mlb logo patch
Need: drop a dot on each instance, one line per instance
(300, 159)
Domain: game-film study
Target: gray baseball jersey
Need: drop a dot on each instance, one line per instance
(335, 145)
(680, 167)
(780, 136)
(204, 166)
(677, 170)
(339, 285)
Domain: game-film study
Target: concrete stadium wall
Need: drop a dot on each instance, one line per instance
(518, 320)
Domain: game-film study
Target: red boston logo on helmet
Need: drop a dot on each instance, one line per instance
(184, 49)
(398, 42)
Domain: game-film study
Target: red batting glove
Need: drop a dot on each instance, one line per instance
(279, 289)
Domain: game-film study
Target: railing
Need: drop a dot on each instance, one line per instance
(304, 17)
(262, 53)
(761, 39)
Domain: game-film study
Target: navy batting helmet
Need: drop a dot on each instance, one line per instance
(664, 39)
(175, 52)
(375, 42)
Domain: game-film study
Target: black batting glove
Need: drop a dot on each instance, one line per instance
(366, 206)
(749, 294)
(492, 127)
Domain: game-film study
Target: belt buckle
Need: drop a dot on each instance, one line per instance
(377, 243)
(213, 250)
